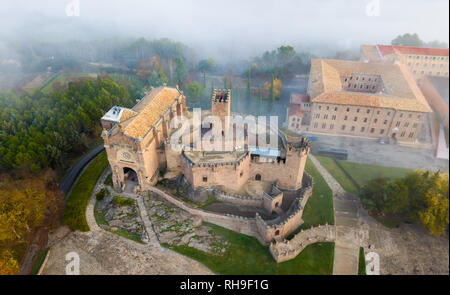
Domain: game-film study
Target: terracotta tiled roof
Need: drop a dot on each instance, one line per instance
(401, 91)
(295, 110)
(297, 98)
(390, 49)
(371, 53)
(149, 110)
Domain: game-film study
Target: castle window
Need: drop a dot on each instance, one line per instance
(362, 129)
(365, 120)
(368, 111)
(258, 177)
(343, 127)
(331, 126)
(411, 134)
(324, 125)
(356, 119)
(242, 173)
(316, 124)
(353, 128)
(205, 179)
(401, 115)
(397, 124)
(406, 124)
(333, 117)
(348, 109)
(388, 113)
(335, 109)
(372, 130)
(381, 131)
(277, 232)
(415, 125)
(357, 110)
(402, 134)
(385, 122)
(375, 120)
(345, 118)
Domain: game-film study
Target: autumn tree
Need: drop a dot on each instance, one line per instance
(419, 196)
(25, 205)
(273, 88)
(435, 217)
(8, 264)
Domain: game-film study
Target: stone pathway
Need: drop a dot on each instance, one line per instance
(348, 234)
(152, 238)
(103, 252)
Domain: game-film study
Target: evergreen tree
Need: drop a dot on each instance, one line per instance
(249, 84)
(271, 89)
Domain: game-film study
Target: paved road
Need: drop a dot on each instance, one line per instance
(71, 177)
(348, 237)
(369, 151)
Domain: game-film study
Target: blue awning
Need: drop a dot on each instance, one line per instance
(265, 152)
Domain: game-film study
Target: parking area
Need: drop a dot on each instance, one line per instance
(370, 151)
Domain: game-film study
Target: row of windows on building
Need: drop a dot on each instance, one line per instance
(428, 57)
(425, 65)
(367, 112)
(431, 73)
(355, 119)
(362, 79)
(363, 129)
(360, 86)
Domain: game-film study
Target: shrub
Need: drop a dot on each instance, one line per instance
(108, 180)
(122, 201)
(101, 194)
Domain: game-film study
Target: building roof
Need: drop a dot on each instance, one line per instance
(148, 111)
(377, 52)
(117, 114)
(401, 91)
(441, 85)
(390, 49)
(297, 98)
(295, 110)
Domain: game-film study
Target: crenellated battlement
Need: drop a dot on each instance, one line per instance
(221, 96)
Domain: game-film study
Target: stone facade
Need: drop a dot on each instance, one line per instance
(143, 155)
(420, 61)
(372, 100)
(138, 149)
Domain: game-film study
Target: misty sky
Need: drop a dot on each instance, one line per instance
(232, 25)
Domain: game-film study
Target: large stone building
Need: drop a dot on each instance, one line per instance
(140, 154)
(136, 141)
(420, 61)
(436, 91)
(374, 100)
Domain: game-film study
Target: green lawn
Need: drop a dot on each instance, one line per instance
(245, 255)
(75, 209)
(362, 262)
(360, 173)
(319, 208)
(446, 133)
(39, 260)
(331, 166)
(125, 234)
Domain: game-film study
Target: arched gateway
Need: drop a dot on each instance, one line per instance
(131, 179)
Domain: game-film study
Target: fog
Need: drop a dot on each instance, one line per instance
(232, 29)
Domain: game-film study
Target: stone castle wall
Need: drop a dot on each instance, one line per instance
(238, 199)
(281, 227)
(287, 250)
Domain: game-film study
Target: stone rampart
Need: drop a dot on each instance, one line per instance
(289, 249)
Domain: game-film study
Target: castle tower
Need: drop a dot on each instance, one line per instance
(220, 106)
(296, 155)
